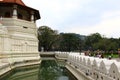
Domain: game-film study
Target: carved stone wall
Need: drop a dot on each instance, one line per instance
(18, 36)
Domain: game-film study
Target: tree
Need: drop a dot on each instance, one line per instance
(69, 42)
(47, 38)
(91, 40)
(106, 44)
(119, 42)
(102, 44)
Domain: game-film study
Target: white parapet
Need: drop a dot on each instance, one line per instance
(94, 68)
(61, 55)
(114, 71)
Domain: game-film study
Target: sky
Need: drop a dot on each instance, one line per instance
(79, 16)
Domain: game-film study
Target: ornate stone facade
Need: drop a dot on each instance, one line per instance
(18, 35)
(18, 32)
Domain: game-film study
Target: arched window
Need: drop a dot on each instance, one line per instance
(7, 14)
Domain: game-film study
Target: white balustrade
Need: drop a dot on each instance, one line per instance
(96, 68)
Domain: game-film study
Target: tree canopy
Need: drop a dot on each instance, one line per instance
(69, 42)
(51, 40)
(47, 37)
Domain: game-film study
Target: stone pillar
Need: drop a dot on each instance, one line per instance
(32, 17)
(42, 49)
(15, 11)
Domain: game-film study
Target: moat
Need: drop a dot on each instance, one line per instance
(47, 70)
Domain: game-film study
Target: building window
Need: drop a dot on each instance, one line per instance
(7, 14)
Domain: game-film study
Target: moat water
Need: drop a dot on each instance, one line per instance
(47, 70)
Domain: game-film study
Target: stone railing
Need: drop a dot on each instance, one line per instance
(96, 68)
(61, 55)
(92, 67)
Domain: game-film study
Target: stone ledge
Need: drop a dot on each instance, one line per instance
(15, 63)
(77, 73)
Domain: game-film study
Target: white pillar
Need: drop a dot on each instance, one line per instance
(32, 17)
(15, 11)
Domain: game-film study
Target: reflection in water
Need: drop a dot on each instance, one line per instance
(63, 78)
(50, 70)
(25, 73)
(47, 70)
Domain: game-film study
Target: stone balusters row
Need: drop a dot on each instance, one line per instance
(61, 55)
(96, 68)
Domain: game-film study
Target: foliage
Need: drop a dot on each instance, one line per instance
(51, 40)
(69, 42)
(91, 40)
(106, 45)
(50, 70)
(47, 37)
(114, 55)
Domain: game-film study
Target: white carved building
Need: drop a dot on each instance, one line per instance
(18, 32)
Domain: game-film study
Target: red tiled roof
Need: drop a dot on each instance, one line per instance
(20, 2)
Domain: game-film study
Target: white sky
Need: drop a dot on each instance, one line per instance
(79, 16)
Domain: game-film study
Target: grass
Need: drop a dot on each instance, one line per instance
(106, 55)
(114, 55)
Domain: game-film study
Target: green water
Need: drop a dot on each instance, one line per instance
(47, 70)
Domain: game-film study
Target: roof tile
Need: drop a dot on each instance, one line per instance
(20, 2)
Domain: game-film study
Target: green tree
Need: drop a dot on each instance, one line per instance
(91, 40)
(114, 44)
(102, 44)
(47, 37)
(106, 44)
(69, 42)
(119, 42)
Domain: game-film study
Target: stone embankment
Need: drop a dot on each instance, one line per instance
(11, 62)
